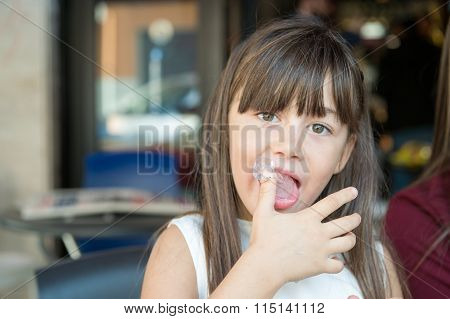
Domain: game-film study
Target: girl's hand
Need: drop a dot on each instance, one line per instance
(298, 245)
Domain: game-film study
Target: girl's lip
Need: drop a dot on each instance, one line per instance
(294, 176)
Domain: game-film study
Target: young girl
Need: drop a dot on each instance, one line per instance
(291, 93)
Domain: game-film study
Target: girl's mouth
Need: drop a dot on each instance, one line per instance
(288, 190)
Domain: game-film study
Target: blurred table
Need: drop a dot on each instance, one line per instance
(93, 226)
(111, 224)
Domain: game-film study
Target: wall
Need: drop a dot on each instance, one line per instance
(26, 127)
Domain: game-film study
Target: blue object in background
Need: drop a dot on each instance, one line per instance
(114, 274)
(147, 170)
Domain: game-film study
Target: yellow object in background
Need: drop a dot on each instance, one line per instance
(412, 154)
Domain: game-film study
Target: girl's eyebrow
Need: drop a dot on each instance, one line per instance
(329, 111)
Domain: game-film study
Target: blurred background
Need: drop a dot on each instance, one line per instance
(91, 90)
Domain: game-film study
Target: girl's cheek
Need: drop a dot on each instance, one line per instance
(320, 158)
(321, 147)
(243, 152)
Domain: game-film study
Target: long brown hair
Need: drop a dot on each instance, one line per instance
(298, 53)
(440, 151)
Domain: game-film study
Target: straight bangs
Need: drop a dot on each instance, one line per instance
(292, 71)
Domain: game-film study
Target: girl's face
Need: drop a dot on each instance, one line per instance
(308, 149)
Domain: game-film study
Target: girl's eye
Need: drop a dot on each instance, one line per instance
(268, 117)
(320, 129)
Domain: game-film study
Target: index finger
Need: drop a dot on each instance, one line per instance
(333, 201)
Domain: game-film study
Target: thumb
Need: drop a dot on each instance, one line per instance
(267, 191)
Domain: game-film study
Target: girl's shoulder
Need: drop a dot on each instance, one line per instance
(190, 226)
(191, 221)
(165, 278)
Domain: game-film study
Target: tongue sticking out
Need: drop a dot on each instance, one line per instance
(286, 193)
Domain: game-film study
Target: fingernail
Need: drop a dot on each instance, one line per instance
(262, 168)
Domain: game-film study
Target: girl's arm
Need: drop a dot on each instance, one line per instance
(396, 290)
(170, 270)
(279, 243)
(170, 273)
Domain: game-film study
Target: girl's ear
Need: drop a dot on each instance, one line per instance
(348, 149)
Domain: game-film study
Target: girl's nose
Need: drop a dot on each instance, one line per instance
(287, 142)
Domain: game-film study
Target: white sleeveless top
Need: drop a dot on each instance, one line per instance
(326, 286)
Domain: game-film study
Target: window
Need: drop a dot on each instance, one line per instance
(149, 75)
